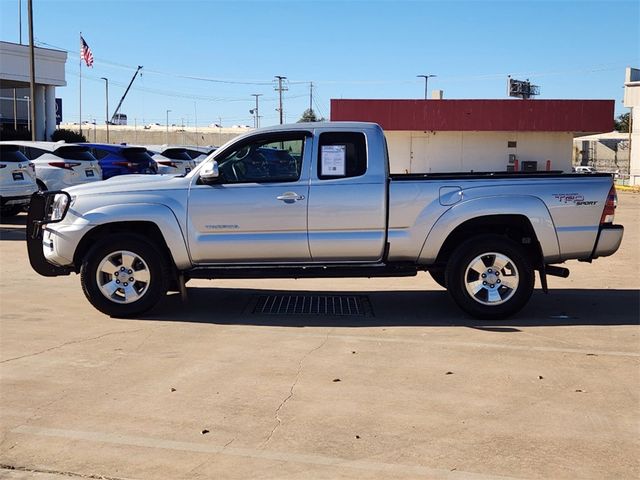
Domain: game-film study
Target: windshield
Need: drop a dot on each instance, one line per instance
(176, 154)
(10, 153)
(137, 155)
(74, 153)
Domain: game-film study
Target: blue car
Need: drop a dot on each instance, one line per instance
(122, 159)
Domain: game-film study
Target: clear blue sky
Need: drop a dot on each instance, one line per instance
(358, 49)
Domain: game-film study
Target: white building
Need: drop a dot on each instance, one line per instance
(15, 92)
(632, 101)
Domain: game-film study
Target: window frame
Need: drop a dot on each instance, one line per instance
(363, 146)
(265, 138)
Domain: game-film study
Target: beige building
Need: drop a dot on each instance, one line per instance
(437, 136)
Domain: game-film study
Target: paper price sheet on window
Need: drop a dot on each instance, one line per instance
(333, 159)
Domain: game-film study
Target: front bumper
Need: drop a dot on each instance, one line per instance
(38, 210)
(608, 240)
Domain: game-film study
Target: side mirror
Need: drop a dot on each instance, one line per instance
(210, 172)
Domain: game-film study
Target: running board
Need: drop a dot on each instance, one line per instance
(307, 271)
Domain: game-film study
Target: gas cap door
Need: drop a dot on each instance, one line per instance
(450, 195)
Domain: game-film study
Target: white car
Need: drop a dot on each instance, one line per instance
(60, 165)
(584, 169)
(198, 153)
(17, 180)
(171, 160)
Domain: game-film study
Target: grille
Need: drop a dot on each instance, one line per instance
(330, 305)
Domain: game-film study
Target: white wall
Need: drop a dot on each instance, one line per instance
(437, 152)
(632, 101)
(14, 64)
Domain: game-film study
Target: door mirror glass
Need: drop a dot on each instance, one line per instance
(210, 172)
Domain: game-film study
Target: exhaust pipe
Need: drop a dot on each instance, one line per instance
(556, 271)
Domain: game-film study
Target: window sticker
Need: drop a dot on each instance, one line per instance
(333, 160)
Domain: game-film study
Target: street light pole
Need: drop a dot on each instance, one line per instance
(32, 70)
(106, 93)
(426, 83)
(256, 121)
(167, 136)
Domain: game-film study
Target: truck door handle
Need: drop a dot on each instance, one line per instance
(290, 197)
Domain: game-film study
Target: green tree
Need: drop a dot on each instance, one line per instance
(310, 116)
(68, 136)
(622, 123)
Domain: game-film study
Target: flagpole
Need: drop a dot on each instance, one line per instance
(80, 89)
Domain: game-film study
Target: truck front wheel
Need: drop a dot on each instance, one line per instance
(124, 275)
(490, 277)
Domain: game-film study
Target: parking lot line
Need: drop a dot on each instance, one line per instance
(308, 459)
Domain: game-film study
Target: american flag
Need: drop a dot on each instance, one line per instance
(85, 53)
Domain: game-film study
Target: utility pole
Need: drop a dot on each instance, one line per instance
(106, 98)
(32, 64)
(256, 111)
(167, 137)
(311, 96)
(426, 83)
(280, 89)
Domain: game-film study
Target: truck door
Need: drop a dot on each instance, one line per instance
(257, 210)
(347, 200)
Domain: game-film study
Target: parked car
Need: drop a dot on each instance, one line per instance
(122, 159)
(59, 165)
(198, 154)
(584, 169)
(171, 160)
(17, 180)
(317, 200)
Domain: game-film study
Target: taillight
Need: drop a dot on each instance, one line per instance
(65, 165)
(610, 206)
(168, 163)
(125, 164)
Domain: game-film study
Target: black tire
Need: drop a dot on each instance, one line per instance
(148, 263)
(495, 299)
(11, 211)
(439, 277)
(41, 186)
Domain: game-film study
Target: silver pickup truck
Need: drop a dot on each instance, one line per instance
(317, 200)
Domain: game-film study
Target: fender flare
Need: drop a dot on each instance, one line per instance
(528, 206)
(160, 215)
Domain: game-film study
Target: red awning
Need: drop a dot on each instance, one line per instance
(592, 116)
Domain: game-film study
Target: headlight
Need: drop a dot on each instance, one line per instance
(61, 203)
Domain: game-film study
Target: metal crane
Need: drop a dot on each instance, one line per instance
(117, 110)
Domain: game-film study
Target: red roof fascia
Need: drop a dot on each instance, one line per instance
(480, 115)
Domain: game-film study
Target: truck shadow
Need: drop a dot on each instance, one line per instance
(562, 307)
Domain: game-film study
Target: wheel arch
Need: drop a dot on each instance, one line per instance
(524, 219)
(145, 229)
(515, 227)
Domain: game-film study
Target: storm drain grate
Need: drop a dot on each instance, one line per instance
(334, 305)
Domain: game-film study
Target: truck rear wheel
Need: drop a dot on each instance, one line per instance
(124, 275)
(490, 277)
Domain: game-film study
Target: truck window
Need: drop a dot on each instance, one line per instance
(263, 161)
(341, 155)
